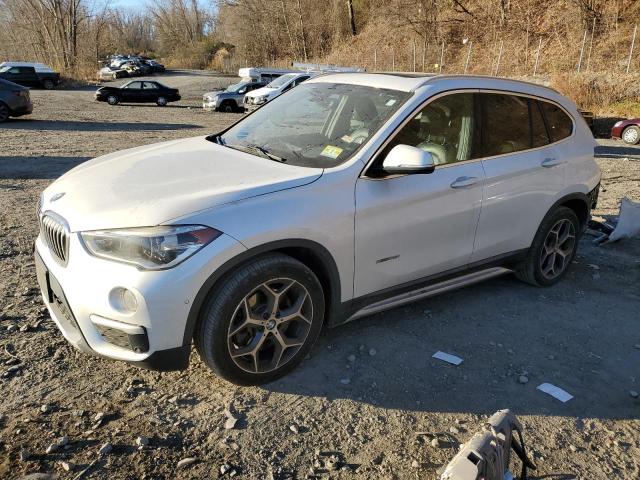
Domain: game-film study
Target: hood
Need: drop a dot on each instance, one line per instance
(261, 91)
(150, 185)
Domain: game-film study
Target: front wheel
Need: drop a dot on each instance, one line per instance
(552, 250)
(48, 84)
(262, 321)
(631, 135)
(161, 101)
(112, 100)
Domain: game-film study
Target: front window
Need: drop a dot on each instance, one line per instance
(133, 85)
(280, 81)
(317, 125)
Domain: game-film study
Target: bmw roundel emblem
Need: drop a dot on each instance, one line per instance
(57, 196)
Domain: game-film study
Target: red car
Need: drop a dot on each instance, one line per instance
(627, 130)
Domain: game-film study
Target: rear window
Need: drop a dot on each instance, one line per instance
(559, 123)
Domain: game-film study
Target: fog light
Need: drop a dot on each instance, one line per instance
(123, 300)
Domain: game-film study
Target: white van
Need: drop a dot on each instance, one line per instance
(266, 75)
(277, 87)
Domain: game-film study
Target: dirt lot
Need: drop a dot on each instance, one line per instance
(367, 403)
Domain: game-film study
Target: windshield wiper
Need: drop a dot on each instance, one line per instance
(256, 148)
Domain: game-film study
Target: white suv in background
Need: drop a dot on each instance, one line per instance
(348, 195)
(277, 87)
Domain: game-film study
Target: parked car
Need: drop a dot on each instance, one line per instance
(28, 76)
(627, 130)
(14, 100)
(108, 73)
(155, 66)
(345, 196)
(138, 91)
(277, 87)
(231, 99)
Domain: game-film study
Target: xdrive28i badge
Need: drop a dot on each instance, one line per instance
(57, 196)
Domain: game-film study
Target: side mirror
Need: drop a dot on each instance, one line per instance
(243, 91)
(404, 159)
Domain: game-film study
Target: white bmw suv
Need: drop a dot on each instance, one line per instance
(348, 195)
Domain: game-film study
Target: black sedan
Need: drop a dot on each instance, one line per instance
(138, 91)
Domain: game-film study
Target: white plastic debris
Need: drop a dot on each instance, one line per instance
(628, 221)
(447, 357)
(555, 392)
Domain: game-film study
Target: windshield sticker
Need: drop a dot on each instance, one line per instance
(390, 102)
(331, 151)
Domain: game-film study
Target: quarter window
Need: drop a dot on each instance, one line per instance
(505, 124)
(559, 124)
(539, 137)
(446, 128)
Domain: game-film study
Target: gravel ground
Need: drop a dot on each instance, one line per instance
(369, 402)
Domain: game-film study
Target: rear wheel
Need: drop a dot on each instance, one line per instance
(161, 101)
(631, 135)
(113, 99)
(4, 112)
(552, 250)
(261, 322)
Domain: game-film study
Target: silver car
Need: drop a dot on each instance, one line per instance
(231, 99)
(14, 100)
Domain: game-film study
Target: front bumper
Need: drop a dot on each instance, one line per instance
(79, 297)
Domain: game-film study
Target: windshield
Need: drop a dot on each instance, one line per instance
(234, 88)
(280, 81)
(316, 125)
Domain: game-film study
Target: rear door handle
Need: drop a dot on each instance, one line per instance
(552, 162)
(462, 182)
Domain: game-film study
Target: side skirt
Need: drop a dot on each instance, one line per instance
(429, 291)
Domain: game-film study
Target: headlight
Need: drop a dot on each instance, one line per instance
(261, 99)
(618, 124)
(149, 248)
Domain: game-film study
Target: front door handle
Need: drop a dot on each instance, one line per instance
(462, 182)
(552, 162)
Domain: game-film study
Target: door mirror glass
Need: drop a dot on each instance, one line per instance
(404, 159)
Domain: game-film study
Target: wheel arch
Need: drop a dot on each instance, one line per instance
(579, 203)
(315, 256)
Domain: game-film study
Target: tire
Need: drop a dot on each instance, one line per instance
(113, 99)
(549, 260)
(48, 84)
(161, 101)
(227, 107)
(223, 327)
(631, 135)
(4, 112)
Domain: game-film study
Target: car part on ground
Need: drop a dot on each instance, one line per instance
(487, 456)
(14, 100)
(348, 195)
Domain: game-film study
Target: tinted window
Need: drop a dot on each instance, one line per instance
(150, 86)
(559, 124)
(134, 85)
(446, 128)
(505, 124)
(539, 136)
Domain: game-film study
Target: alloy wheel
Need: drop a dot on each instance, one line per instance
(557, 249)
(630, 135)
(270, 325)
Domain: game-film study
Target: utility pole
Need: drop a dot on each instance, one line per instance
(633, 44)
